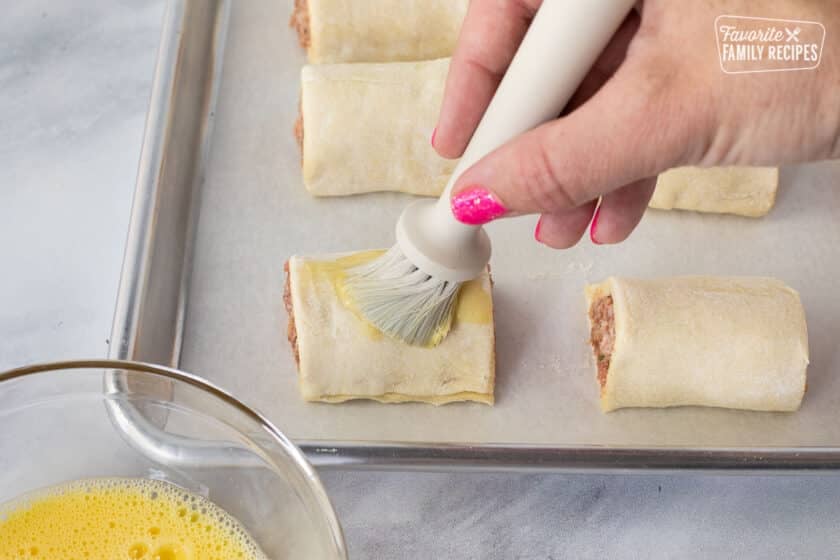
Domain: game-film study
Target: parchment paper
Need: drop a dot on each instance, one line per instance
(255, 213)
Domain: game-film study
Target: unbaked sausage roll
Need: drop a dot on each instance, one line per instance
(377, 30)
(366, 128)
(341, 357)
(746, 191)
(695, 340)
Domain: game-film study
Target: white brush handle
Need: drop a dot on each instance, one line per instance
(560, 47)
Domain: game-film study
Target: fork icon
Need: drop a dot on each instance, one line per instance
(793, 35)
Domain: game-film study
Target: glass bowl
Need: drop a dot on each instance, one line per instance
(68, 421)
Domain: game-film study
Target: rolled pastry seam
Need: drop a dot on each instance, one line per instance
(707, 341)
(342, 357)
(377, 30)
(745, 191)
(366, 128)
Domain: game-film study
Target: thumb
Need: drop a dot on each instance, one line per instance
(641, 122)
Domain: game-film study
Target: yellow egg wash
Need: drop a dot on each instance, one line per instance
(335, 272)
(116, 519)
(473, 305)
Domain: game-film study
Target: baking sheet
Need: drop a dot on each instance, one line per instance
(255, 213)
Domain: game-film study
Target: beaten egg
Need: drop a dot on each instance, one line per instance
(132, 519)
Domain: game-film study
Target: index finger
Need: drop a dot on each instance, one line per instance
(490, 35)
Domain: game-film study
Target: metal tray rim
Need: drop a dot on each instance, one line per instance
(359, 455)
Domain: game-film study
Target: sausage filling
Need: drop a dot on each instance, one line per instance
(300, 22)
(291, 329)
(299, 130)
(602, 337)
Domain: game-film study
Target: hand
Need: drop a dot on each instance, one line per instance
(655, 99)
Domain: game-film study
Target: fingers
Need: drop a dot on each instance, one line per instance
(633, 128)
(479, 64)
(490, 34)
(621, 211)
(564, 229)
(612, 220)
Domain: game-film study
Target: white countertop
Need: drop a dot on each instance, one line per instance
(74, 85)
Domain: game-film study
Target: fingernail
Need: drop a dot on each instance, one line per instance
(476, 206)
(537, 230)
(594, 226)
(434, 133)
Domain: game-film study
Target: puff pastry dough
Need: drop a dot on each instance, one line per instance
(341, 357)
(378, 30)
(366, 128)
(707, 341)
(746, 191)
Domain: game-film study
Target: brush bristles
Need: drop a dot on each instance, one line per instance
(402, 301)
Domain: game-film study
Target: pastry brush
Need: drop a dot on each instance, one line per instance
(409, 292)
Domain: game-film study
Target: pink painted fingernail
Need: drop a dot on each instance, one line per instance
(594, 226)
(434, 133)
(537, 230)
(476, 206)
